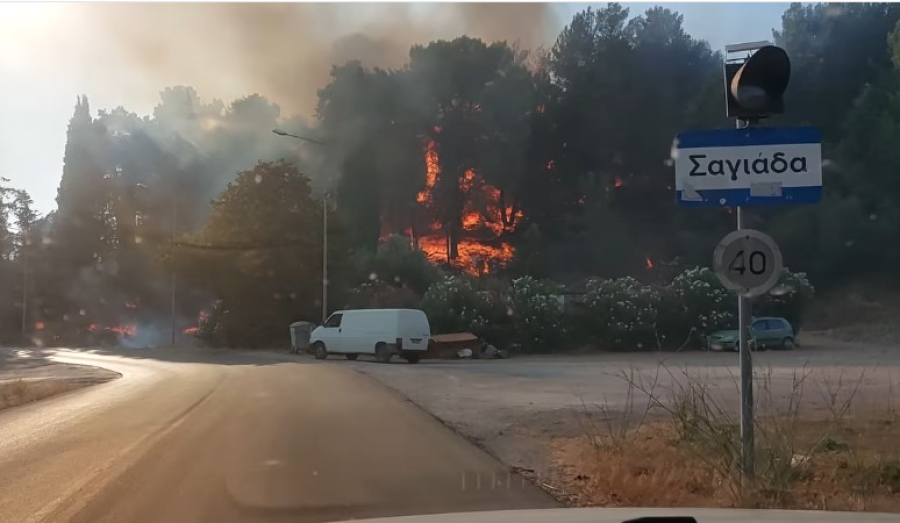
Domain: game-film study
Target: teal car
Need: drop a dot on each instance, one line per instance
(765, 333)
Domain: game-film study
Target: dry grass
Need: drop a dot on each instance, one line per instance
(683, 450)
(19, 392)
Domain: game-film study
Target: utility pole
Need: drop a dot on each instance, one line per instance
(747, 261)
(754, 87)
(325, 257)
(24, 290)
(746, 369)
(172, 275)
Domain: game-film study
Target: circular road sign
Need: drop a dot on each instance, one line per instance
(748, 262)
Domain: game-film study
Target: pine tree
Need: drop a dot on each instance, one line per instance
(81, 231)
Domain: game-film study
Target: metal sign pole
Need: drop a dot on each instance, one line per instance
(746, 366)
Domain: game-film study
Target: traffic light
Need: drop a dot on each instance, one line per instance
(754, 86)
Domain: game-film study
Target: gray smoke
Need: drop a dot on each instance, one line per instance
(285, 51)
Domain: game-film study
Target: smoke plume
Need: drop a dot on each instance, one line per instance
(286, 51)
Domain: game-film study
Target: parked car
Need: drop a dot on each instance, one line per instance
(765, 333)
(382, 332)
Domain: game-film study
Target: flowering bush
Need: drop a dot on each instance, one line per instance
(788, 299)
(697, 305)
(538, 316)
(622, 312)
(454, 304)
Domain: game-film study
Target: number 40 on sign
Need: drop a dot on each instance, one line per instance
(747, 261)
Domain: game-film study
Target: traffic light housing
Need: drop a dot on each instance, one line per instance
(754, 88)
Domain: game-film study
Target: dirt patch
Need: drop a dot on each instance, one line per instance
(860, 311)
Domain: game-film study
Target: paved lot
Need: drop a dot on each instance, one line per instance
(508, 406)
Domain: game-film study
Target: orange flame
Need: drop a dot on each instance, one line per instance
(648, 262)
(121, 330)
(432, 168)
(201, 317)
(38, 325)
(479, 249)
(124, 330)
(618, 182)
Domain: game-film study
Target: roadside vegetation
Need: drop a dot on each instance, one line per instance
(816, 447)
(536, 315)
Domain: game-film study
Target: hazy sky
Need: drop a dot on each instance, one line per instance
(120, 54)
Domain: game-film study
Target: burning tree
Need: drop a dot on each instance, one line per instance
(437, 152)
(462, 77)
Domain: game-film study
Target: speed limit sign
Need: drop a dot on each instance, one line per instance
(748, 262)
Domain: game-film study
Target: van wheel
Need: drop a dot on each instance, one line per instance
(413, 358)
(383, 353)
(319, 351)
(351, 356)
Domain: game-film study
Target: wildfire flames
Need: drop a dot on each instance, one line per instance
(202, 317)
(431, 172)
(485, 219)
(121, 330)
(648, 262)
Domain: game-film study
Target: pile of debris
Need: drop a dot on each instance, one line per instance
(463, 345)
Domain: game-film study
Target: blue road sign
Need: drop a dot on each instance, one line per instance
(753, 166)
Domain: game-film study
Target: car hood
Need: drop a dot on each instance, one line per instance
(725, 335)
(619, 515)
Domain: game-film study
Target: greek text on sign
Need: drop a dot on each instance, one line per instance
(753, 166)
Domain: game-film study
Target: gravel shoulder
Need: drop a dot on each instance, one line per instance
(514, 408)
(28, 375)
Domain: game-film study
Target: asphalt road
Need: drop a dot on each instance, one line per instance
(191, 436)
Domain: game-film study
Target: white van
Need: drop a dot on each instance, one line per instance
(382, 332)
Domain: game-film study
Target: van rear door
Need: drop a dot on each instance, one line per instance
(413, 329)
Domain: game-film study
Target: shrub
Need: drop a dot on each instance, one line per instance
(211, 330)
(697, 304)
(396, 262)
(538, 317)
(789, 299)
(622, 312)
(380, 295)
(454, 304)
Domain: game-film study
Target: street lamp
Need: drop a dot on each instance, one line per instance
(279, 132)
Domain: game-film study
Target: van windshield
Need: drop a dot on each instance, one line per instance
(334, 320)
